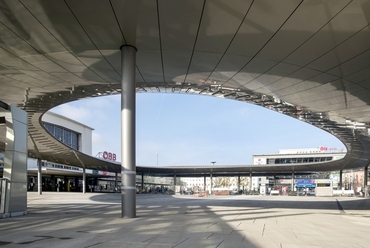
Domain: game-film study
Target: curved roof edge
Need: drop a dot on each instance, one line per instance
(49, 148)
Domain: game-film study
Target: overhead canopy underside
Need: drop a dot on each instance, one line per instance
(306, 59)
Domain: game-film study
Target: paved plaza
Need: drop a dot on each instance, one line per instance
(93, 220)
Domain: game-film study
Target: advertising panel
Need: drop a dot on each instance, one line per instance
(259, 161)
(285, 181)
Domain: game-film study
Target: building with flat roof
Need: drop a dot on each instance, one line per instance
(68, 177)
(70, 132)
(306, 155)
(293, 156)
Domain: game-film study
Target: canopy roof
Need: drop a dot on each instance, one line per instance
(306, 59)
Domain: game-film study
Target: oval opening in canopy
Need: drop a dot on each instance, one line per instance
(182, 129)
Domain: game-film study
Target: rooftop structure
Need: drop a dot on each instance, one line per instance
(307, 59)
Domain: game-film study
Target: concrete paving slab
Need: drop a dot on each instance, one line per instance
(93, 220)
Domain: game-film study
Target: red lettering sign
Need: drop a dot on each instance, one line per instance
(109, 156)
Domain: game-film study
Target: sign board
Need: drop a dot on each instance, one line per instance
(109, 156)
(259, 161)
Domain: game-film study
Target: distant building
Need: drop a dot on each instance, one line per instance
(292, 156)
(196, 182)
(308, 155)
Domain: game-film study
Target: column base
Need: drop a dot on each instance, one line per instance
(12, 214)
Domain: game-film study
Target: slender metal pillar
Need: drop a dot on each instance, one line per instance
(174, 182)
(142, 181)
(211, 190)
(238, 183)
(39, 176)
(365, 181)
(128, 109)
(292, 185)
(83, 181)
(250, 181)
(115, 182)
(340, 179)
(205, 183)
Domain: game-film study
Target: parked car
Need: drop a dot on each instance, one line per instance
(311, 193)
(188, 192)
(233, 192)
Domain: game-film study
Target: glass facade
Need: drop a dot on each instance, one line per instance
(297, 160)
(68, 137)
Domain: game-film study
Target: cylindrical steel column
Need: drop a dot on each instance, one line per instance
(340, 179)
(142, 181)
(292, 185)
(205, 183)
(83, 180)
(250, 181)
(365, 181)
(39, 177)
(174, 182)
(128, 109)
(211, 190)
(238, 183)
(116, 182)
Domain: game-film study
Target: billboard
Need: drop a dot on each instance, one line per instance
(259, 161)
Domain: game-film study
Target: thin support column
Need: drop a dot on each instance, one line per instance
(340, 179)
(292, 185)
(142, 181)
(39, 176)
(116, 182)
(83, 173)
(205, 183)
(211, 189)
(83, 181)
(365, 181)
(250, 181)
(238, 183)
(128, 132)
(174, 182)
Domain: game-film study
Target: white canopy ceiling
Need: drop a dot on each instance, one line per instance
(306, 59)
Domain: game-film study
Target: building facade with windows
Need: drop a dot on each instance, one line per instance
(307, 155)
(72, 133)
(61, 177)
(292, 156)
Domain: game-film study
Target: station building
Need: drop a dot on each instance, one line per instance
(302, 184)
(68, 178)
(284, 184)
(62, 177)
(306, 155)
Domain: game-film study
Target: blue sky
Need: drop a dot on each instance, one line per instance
(194, 129)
